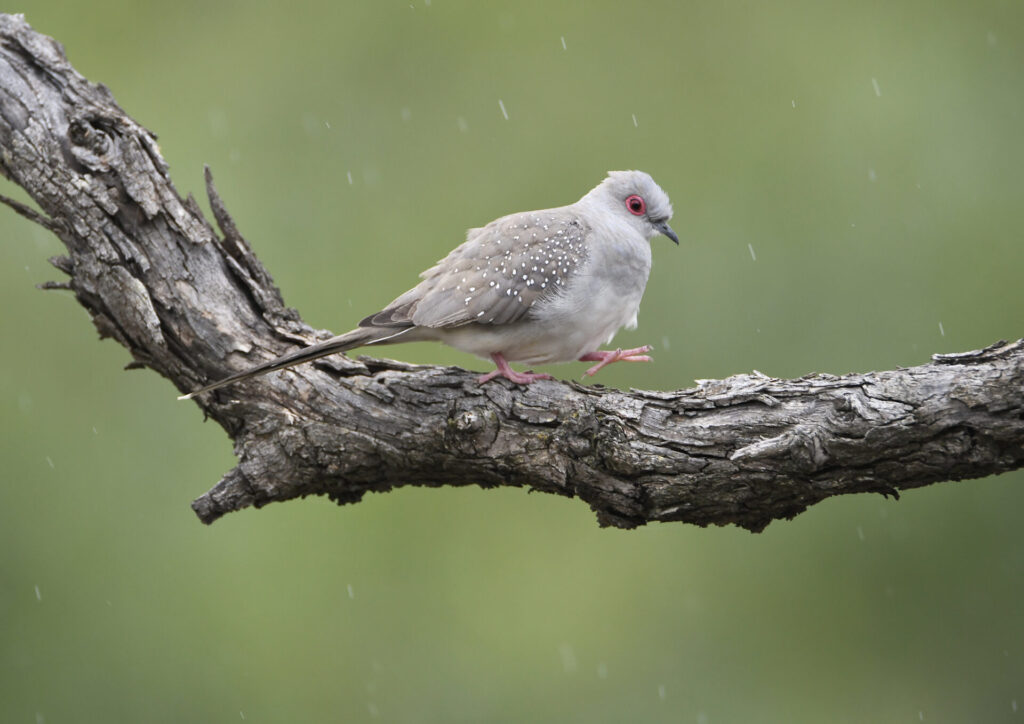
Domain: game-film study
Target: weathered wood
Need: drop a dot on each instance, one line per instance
(195, 306)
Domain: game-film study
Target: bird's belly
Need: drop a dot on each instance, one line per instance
(563, 335)
(600, 299)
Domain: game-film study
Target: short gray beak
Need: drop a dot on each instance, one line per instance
(664, 228)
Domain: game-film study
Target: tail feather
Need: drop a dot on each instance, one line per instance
(350, 340)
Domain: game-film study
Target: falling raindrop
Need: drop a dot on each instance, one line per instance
(568, 658)
(501, 105)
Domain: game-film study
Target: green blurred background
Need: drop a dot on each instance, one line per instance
(848, 185)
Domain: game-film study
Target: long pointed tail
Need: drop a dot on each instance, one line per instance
(350, 340)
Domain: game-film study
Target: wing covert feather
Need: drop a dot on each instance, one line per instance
(497, 275)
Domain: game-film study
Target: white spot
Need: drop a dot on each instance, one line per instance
(872, 176)
(860, 533)
(752, 254)
(661, 692)
(602, 670)
(49, 461)
(942, 331)
(991, 38)
(479, 314)
(794, 102)
(406, 114)
(39, 596)
(501, 105)
(635, 124)
(563, 43)
(878, 90)
(351, 591)
(349, 174)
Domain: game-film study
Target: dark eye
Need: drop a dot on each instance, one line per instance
(636, 205)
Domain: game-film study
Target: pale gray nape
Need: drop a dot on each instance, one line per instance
(532, 287)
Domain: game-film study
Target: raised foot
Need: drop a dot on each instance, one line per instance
(520, 378)
(606, 357)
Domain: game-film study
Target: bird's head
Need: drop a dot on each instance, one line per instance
(638, 199)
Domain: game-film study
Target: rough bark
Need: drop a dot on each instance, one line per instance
(194, 306)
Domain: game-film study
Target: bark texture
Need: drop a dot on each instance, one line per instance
(195, 305)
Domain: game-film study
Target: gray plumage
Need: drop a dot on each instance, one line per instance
(533, 287)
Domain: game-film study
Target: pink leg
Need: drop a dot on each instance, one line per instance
(520, 378)
(605, 357)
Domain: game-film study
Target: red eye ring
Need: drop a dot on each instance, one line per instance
(636, 205)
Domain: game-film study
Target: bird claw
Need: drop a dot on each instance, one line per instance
(607, 357)
(520, 378)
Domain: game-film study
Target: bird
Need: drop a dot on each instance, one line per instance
(533, 287)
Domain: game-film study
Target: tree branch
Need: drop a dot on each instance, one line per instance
(195, 306)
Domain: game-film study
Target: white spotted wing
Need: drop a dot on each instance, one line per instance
(497, 275)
